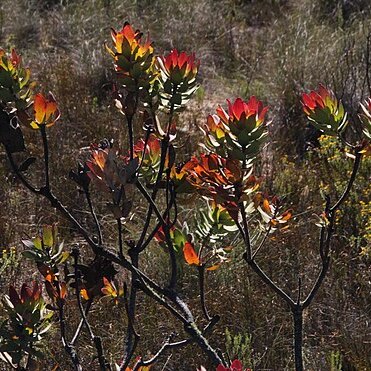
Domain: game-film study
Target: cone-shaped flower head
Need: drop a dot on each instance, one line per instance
(324, 111)
(239, 132)
(179, 67)
(133, 58)
(178, 78)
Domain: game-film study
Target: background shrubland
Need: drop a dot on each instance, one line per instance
(274, 49)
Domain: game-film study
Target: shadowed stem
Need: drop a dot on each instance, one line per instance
(165, 227)
(119, 232)
(131, 136)
(81, 324)
(145, 283)
(326, 234)
(94, 215)
(46, 155)
(132, 337)
(70, 349)
(201, 281)
(96, 339)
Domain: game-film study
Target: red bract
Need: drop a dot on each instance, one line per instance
(236, 365)
(216, 177)
(160, 235)
(179, 67)
(148, 155)
(97, 165)
(11, 62)
(190, 254)
(239, 133)
(325, 111)
(15, 58)
(56, 291)
(151, 154)
(240, 110)
(27, 294)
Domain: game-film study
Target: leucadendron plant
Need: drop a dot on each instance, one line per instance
(150, 92)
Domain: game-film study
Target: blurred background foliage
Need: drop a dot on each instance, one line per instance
(274, 49)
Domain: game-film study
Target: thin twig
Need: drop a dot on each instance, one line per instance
(96, 339)
(70, 349)
(94, 215)
(132, 337)
(81, 323)
(119, 232)
(201, 280)
(46, 155)
(146, 284)
(19, 174)
(356, 164)
(329, 228)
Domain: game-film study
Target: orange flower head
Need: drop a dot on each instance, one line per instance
(133, 58)
(324, 111)
(149, 156)
(100, 171)
(46, 111)
(110, 289)
(215, 176)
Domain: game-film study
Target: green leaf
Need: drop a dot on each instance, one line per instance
(48, 239)
(31, 254)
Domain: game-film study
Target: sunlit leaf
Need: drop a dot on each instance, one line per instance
(190, 255)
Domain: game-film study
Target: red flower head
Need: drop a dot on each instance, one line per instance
(238, 133)
(179, 67)
(178, 79)
(325, 111)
